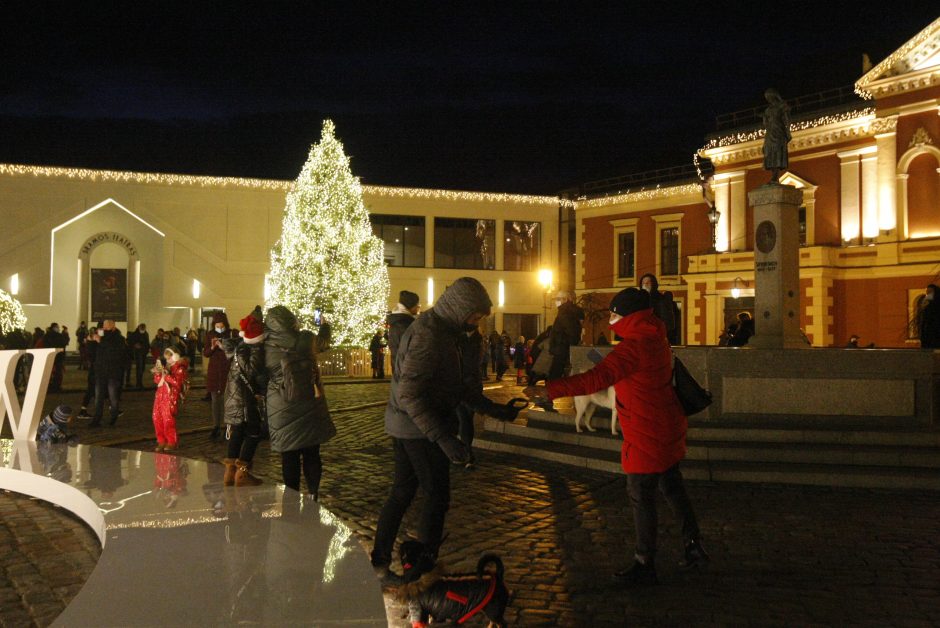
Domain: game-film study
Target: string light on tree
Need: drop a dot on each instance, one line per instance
(12, 316)
(327, 258)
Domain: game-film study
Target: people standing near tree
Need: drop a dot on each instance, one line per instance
(171, 384)
(217, 371)
(377, 350)
(139, 343)
(664, 306)
(81, 334)
(427, 386)
(298, 415)
(400, 319)
(653, 426)
(91, 352)
(928, 320)
(245, 392)
(110, 362)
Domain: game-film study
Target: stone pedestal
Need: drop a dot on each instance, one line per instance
(776, 266)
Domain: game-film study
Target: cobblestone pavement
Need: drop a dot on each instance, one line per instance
(782, 555)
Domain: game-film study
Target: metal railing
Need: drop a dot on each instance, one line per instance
(801, 107)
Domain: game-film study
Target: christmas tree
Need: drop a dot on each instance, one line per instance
(11, 314)
(327, 258)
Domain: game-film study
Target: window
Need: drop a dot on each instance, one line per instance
(403, 237)
(626, 255)
(669, 251)
(464, 243)
(802, 220)
(521, 251)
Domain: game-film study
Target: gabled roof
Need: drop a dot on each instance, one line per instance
(918, 54)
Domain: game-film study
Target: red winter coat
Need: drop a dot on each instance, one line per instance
(219, 364)
(640, 370)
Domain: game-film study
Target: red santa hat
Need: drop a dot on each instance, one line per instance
(252, 329)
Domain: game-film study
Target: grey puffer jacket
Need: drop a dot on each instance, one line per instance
(299, 424)
(428, 383)
(250, 365)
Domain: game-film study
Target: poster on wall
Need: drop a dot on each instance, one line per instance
(108, 294)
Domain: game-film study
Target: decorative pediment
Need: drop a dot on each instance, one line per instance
(796, 181)
(914, 65)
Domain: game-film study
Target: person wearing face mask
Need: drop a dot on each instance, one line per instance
(663, 306)
(170, 382)
(653, 426)
(928, 320)
(109, 371)
(428, 384)
(218, 369)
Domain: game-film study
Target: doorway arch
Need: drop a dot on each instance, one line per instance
(133, 275)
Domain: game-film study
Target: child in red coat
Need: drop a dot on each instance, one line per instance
(171, 382)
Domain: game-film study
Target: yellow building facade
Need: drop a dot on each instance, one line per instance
(171, 248)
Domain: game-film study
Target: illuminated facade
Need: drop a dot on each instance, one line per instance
(180, 246)
(869, 169)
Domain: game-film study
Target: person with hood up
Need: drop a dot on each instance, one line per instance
(244, 399)
(298, 427)
(663, 305)
(653, 426)
(217, 371)
(427, 386)
(171, 385)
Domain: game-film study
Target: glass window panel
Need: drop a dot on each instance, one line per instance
(464, 243)
(669, 251)
(625, 253)
(403, 237)
(522, 245)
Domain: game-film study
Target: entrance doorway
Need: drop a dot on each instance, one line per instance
(733, 307)
(521, 325)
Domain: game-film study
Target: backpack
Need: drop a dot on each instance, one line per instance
(297, 375)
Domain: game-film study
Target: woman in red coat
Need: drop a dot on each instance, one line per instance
(171, 382)
(652, 422)
(217, 371)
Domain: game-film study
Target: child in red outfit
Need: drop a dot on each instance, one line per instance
(170, 383)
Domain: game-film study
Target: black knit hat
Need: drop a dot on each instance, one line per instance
(408, 299)
(629, 301)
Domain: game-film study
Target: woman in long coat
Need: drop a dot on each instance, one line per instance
(297, 428)
(217, 372)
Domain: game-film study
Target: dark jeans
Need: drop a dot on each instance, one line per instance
(140, 363)
(244, 438)
(111, 388)
(418, 462)
(642, 490)
(465, 423)
(89, 389)
(559, 364)
(312, 468)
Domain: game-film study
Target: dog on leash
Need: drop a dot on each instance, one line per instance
(430, 592)
(585, 405)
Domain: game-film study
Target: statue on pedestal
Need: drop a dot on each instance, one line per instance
(777, 135)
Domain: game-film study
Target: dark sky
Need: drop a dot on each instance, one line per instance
(518, 97)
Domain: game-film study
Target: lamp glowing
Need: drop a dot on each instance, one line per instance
(545, 278)
(736, 287)
(197, 289)
(15, 284)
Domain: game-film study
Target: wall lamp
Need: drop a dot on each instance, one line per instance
(736, 287)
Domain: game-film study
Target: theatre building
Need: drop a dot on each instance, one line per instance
(169, 250)
(867, 159)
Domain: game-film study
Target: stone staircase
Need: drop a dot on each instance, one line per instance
(864, 455)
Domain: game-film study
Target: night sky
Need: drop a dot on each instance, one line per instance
(514, 97)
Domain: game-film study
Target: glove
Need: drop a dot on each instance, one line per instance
(509, 411)
(456, 451)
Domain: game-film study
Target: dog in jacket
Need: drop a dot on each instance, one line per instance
(430, 592)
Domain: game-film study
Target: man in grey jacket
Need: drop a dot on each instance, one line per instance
(427, 386)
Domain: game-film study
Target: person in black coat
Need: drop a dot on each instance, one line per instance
(377, 349)
(427, 386)
(743, 331)
(56, 338)
(139, 343)
(928, 321)
(400, 320)
(566, 332)
(664, 307)
(244, 399)
(110, 362)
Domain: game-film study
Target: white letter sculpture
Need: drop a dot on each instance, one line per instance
(25, 421)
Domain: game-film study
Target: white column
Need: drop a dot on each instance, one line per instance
(738, 213)
(901, 200)
(870, 196)
(849, 183)
(887, 168)
(723, 205)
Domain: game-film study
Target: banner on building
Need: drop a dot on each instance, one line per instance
(109, 294)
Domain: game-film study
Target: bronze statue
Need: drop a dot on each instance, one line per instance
(777, 135)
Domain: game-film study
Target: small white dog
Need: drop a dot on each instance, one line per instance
(585, 405)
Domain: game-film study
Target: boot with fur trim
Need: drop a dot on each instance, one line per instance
(229, 478)
(243, 477)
